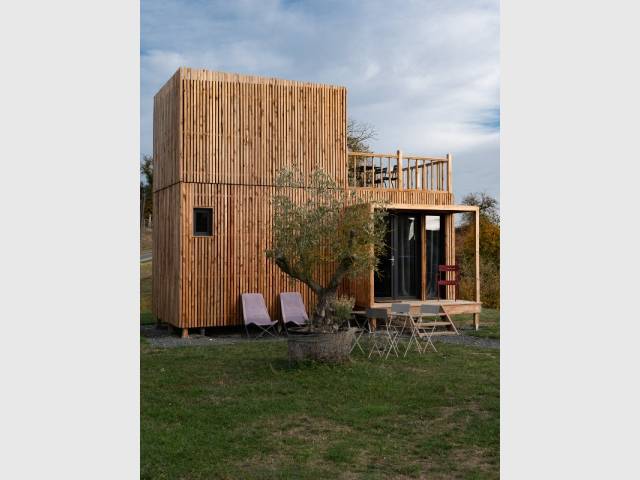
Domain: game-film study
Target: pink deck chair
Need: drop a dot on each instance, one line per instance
(254, 311)
(293, 310)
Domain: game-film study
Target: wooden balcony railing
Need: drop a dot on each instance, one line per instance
(401, 172)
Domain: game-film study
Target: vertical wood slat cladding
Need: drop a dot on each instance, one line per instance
(166, 254)
(361, 289)
(166, 134)
(417, 197)
(219, 139)
(219, 268)
(264, 124)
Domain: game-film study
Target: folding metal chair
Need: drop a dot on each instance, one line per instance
(359, 330)
(379, 337)
(423, 330)
(400, 313)
(413, 338)
(254, 311)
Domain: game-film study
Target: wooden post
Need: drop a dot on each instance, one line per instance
(450, 175)
(476, 316)
(423, 257)
(450, 253)
(400, 177)
(185, 333)
(372, 298)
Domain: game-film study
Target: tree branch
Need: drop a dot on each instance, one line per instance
(287, 268)
(344, 265)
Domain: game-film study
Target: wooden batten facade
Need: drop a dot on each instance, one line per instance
(219, 141)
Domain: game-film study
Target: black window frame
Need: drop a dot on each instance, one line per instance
(208, 232)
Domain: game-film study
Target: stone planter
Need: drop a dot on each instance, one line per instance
(321, 347)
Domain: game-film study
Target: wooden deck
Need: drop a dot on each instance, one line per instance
(452, 307)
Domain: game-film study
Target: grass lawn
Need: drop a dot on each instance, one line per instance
(146, 237)
(239, 411)
(489, 323)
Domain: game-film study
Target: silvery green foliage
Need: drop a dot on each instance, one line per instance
(323, 233)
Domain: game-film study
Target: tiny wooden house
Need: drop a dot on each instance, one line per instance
(219, 139)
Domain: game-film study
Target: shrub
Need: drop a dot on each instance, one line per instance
(341, 308)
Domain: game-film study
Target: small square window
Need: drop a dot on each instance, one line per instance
(202, 222)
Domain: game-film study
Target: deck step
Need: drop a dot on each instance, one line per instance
(432, 324)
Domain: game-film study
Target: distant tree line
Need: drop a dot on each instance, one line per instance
(489, 250)
(146, 187)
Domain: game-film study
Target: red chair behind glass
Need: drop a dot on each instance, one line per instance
(443, 281)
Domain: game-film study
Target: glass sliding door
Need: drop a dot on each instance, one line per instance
(407, 257)
(382, 280)
(399, 269)
(434, 241)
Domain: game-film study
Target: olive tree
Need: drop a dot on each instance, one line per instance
(323, 233)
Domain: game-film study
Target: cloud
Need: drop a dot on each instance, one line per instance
(424, 73)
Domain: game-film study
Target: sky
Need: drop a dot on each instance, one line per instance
(425, 74)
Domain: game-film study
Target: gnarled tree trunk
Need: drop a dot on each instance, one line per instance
(319, 317)
(324, 294)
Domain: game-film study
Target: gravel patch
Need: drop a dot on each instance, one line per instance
(468, 340)
(162, 338)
